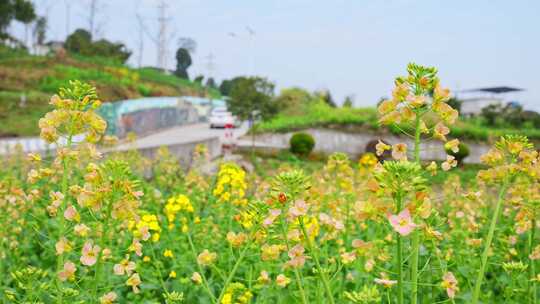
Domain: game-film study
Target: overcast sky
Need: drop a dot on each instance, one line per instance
(349, 47)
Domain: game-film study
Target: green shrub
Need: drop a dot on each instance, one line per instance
(460, 155)
(302, 144)
(320, 114)
(144, 90)
(109, 76)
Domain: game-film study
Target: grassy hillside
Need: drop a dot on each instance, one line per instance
(366, 120)
(38, 77)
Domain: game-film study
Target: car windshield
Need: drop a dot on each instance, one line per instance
(219, 111)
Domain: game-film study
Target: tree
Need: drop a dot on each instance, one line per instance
(24, 11)
(327, 98)
(80, 42)
(227, 84)
(105, 48)
(6, 15)
(211, 83)
(455, 103)
(293, 101)
(349, 102)
(509, 115)
(199, 79)
(183, 62)
(187, 43)
(40, 30)
(225, 87)
(252, 95)
(19, 10)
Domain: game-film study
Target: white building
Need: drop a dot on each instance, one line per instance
(473, 106)
(473, 101)
(47, 48)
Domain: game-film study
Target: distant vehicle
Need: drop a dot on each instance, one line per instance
(221, 118)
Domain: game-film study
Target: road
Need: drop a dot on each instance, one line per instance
(175, 135)
(182, 134)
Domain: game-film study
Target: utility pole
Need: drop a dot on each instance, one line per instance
(250, 37)
(251, 33)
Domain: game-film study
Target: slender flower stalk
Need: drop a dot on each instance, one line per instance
(489, 239)
(399, 252)
(204, 281)
(416, 232)
(233, 271)
(531, 285)
(322, 274)
(297, 277)
(61, 224)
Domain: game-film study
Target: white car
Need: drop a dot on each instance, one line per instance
(221, 118)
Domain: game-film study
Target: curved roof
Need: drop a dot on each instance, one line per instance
(495, 90)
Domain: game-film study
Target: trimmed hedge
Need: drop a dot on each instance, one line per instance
(301, 144)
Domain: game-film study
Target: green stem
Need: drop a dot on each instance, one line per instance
(201, 272)
(416, 232)
(322, 274)
(155, 263)
(347, 220)
(531, 285)
(104, 243)
(97, 276)
(400, 268)
(489, 239)
(61, 224)
(3, 255)
(399, 250)
(296, 273)
(233, 271)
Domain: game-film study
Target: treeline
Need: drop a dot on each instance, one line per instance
(81, 42)
(254, 97)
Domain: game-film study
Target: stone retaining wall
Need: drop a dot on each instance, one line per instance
(354, 144)
(183, 151)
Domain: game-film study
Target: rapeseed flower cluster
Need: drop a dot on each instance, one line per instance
(237, 293)
(73, 115)
(231, 185)
(147, 227)
(175, 205)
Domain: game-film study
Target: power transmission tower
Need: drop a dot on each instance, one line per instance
(92, 16)
(68, 15)
(95, 18)
(162, 40)
(210, 65)
(141, 29)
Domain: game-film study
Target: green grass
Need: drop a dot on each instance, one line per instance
(41, 76)
(320, 115)
(98, 60)
(153, 75)
(266, 165)
(62, 74)
(366, 120)
(466, 172)
(21, 121)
